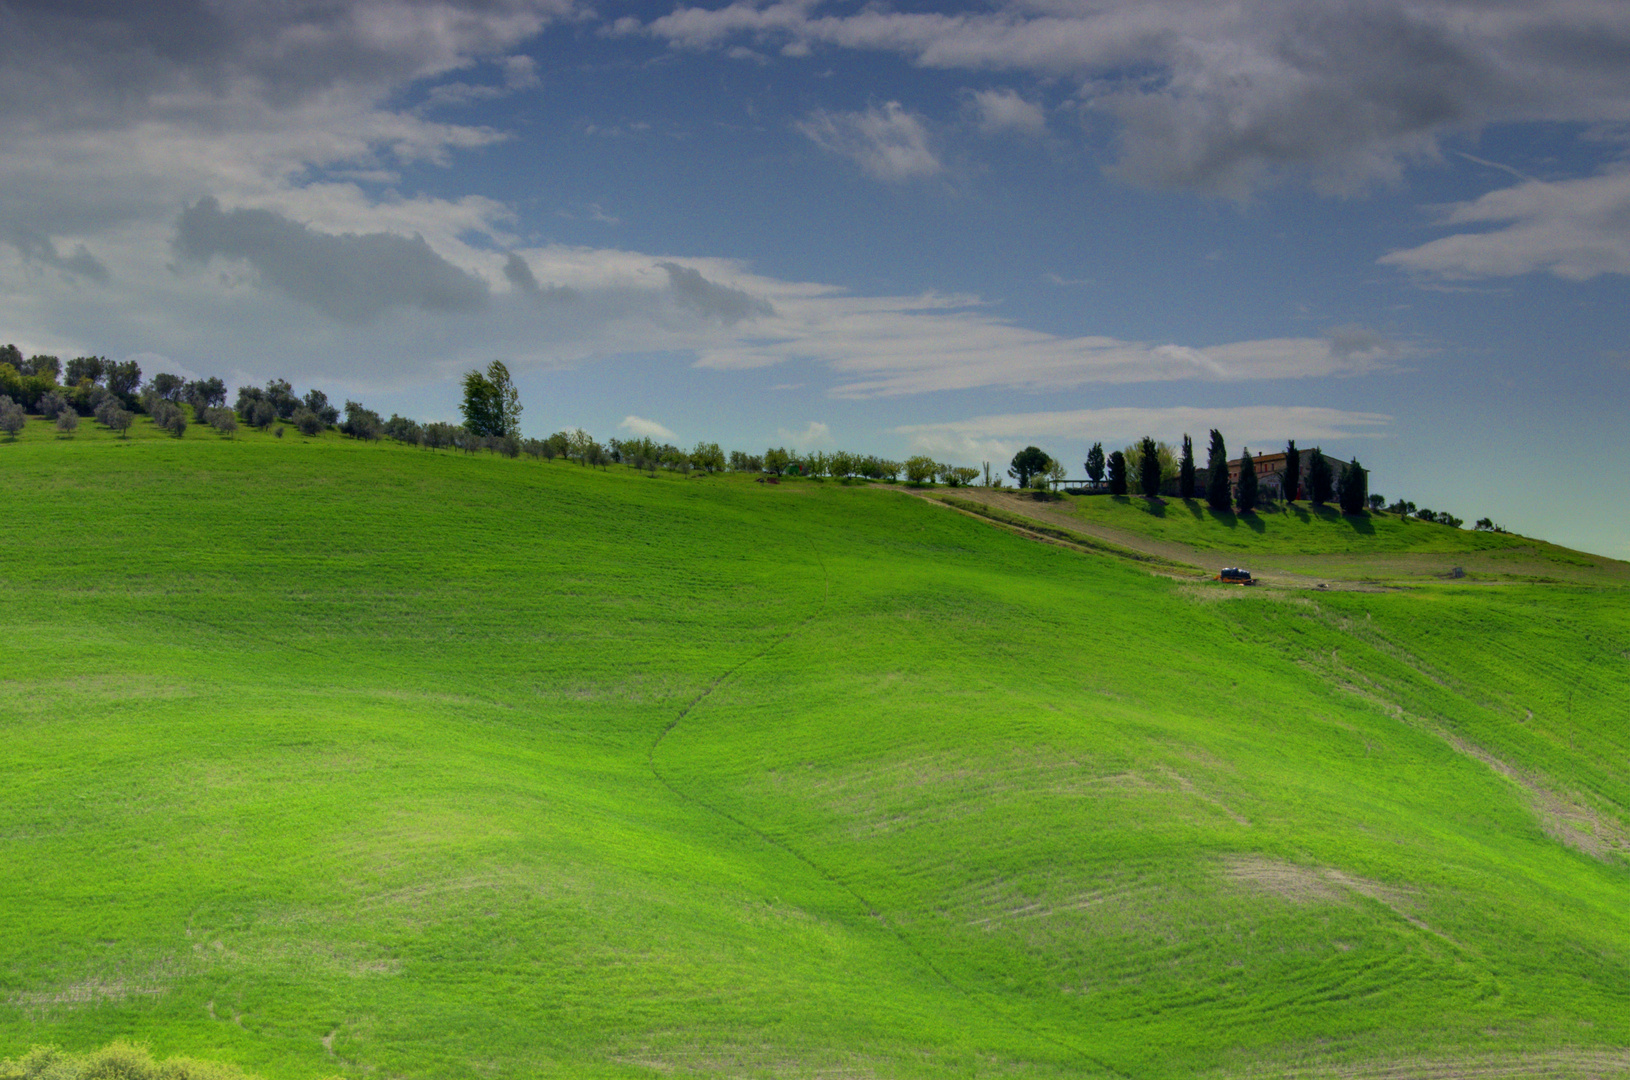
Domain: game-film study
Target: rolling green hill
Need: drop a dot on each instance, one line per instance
(327, 757)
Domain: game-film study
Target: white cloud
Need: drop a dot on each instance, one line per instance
(1225, 98)
(813, 434)
(890, 143)
(1575, 229)
(997, 111)
(648, 429)
(993, 437)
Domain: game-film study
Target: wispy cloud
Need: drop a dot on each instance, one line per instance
(1574, 229)
(1264, 425)
(891, 143)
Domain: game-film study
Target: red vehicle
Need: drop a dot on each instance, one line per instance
(1235, 576)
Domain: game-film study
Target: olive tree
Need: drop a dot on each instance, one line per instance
(12, 417)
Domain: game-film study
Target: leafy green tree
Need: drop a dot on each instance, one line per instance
(263, 414)
(1027, 463)
(1320, 482)
(317, 402)
(67, 422)
(123, 377)
(1245, 500)
(222, 419)
(168, 386)
(1293, 471)
(1355, 489)
(776, 460)
(119, 420)
(1217, 472)
(1117, 473)
(86, 368)
(1185, 469)
(44, 365)
(1148, 467)
(492, 405)
(359, 422)
(1095, 463)
(920, 469)
(1057, 473)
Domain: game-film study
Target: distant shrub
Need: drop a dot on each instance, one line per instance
(404, 430)
(223, 420)
(67, 421)
(307, 422)
(261, 414)
(441, 436)
(119, 420)
(167, 415)
(50, 403)
(361, 423)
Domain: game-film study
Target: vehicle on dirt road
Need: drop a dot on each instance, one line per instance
(1233, 575)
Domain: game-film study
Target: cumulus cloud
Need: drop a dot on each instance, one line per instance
(997, 111)
(886, 346)
(1225, 98)
(648, 429)
(354, 278)
(890, 143)
(1575, 229)
(709, 298)
(1244, 425)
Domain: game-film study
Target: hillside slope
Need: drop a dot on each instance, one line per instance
(329, 757)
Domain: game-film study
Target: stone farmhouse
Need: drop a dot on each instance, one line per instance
(1270, 473)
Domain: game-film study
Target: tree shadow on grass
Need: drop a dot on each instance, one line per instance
(1154, 507)
(1225, 518)
(1359, 523)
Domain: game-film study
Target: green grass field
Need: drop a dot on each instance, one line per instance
(325, 758)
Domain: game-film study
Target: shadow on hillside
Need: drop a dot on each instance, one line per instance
(1155, 507)
(1359, 523)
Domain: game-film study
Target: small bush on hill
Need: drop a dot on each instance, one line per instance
(67, 421)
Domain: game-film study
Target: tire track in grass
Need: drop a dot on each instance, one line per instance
(993, 1009)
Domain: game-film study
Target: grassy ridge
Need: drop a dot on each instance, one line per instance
(324, 756)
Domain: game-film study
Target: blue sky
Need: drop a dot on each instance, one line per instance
(1398, 230)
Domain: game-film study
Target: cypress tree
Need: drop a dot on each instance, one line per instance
(1246, 500)
(1217, 463)
(1095, 463)
(1354, 489)
(1319, 481)
(1185, 469)
(1149, 467)
(1117, 473)
(1293, 471)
